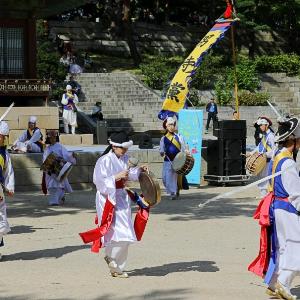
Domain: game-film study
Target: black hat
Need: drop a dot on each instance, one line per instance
(120, 139)
(286, 129)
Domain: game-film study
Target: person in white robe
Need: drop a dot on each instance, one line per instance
(55, 187)
(31, 139)
(266, 147)
(69, 101)
(7, 180)
(117, 232)
(284, 214)
(170, 145)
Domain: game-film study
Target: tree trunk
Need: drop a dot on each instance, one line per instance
(167, 11)
(128, 32)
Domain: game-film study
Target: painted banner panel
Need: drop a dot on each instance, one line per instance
(190, 127)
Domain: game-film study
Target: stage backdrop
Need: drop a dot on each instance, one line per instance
(190, 127)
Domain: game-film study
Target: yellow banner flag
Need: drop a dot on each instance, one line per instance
(179, 87)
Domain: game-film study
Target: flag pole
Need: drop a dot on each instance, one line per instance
(234, 60)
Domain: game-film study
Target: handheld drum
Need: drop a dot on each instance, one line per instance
(255, 163)
(150, 188)
(56, 165)
(183, 163)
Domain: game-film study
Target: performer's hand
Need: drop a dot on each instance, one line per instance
(122, 175)
(10, 193)
(162, 154)
(142, 203)
(144, 168)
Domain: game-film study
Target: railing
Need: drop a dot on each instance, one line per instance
(24, 87)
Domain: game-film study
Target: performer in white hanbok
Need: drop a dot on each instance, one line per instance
(116, 230)
(279, 260)
(56, 188)
(266, 146)
(69, 101)
(170, 145)
(7, 180)
(31, 139)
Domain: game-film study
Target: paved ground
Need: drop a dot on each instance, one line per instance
(186, 253)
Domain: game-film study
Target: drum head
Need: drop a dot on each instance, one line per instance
(179, 161)
(48, 163)
(150, 188)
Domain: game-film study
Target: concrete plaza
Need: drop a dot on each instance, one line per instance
(186, 253)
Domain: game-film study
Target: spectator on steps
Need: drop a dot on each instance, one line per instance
(69, 101)
(212, 111)
(97, 112)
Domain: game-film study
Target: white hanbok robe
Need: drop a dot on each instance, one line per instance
(55, 187)
(288, 224)
(107, 166)
(9, 183)
(169, 176)
(69, 116)
(270, 141)
(22, 143)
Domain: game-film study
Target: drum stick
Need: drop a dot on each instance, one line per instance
(7, 111)
(276, 112)
(230, 193)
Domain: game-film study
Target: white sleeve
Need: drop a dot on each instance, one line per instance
(35, 137)
(45, 154)
(271, 143)
(75, 100)
(182, 142)
(162, 146)
(23, 137)
(291, 182)
(134, 174)
(64, 101)
(103, 179)
(9, 176)
(67, 156)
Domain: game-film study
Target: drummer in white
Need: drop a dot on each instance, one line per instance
(266, 147)
(55, 187)
(170, 145)
(116, 229)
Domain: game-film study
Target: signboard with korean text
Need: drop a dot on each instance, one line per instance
(190, 127)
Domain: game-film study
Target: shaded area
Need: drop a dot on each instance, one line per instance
(170, 294)
(180, 267)
(26, 229)
(296, 291)
(36, 205)
(186, 207)
(44, 253)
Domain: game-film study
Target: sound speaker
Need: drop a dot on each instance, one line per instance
(213, 157)
(224, 157)
(230, 129)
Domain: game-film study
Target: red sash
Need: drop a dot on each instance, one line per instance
(95, 235)
(260, 264)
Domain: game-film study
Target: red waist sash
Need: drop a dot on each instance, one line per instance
(260, 264)
(94, 235)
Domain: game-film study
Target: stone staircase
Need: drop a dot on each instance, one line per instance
(127, 103)
(284, 91)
